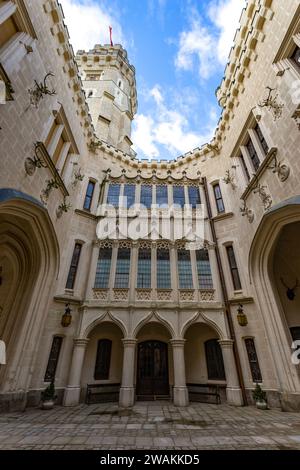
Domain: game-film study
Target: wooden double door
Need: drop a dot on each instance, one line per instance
(152, 370)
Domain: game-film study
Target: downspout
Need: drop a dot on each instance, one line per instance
(224, 293)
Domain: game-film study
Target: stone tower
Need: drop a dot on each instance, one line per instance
(110, 87)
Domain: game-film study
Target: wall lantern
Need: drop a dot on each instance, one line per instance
(242, 317)
(67, 317)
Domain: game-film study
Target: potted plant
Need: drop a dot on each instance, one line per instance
(48, 397)
(260, 397)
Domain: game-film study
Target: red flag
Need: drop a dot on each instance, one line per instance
(110, 33)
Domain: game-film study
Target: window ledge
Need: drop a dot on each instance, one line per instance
(68, 298)
(264, 165)
(53, 170)
(241, 300)
(224, 215)
(86, 214)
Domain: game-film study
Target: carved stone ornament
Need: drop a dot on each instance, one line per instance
(281, 169)
(264, 196)
(230, 179)
(245, 211)
(271, 103)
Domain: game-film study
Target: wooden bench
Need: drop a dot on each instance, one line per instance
(102, 393)
(196, 391)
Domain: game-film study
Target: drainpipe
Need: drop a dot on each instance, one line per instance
(224, 293)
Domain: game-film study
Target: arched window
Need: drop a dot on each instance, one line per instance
(214, 360)
(103, 359)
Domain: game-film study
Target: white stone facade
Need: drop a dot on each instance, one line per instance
(71, 147)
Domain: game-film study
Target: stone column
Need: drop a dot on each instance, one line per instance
(233, 390)
(126, 398)
(181, 397)
(72, 392)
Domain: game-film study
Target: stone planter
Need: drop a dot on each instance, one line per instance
(47, 405)
(261, 405)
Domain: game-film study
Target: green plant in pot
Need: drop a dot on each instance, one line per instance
(48, 397)
(260, 397)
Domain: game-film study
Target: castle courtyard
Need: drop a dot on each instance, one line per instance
(150, 426)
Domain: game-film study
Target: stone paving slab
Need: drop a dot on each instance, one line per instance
(149, 425)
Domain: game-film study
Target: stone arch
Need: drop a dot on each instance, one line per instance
(153, 317)
(260, 265)
(30, 251)
(204, 319)
(106, 317)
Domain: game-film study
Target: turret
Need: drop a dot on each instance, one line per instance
(110, 86)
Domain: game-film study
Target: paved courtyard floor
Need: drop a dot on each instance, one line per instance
(151, 425)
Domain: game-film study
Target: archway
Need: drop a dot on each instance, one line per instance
(29, 258)
(273, 262)
(203, 362)
(103, 361)
(154, 363)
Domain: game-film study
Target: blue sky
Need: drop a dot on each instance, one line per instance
(179, 49)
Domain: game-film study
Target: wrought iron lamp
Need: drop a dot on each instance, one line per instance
(241, 316)
(67, 317)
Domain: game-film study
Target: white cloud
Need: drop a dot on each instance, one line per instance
(166, 129)
(88, 24)
(209, 45)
